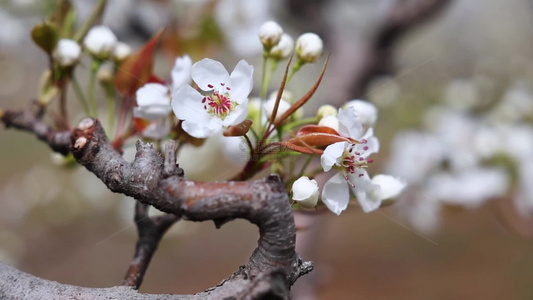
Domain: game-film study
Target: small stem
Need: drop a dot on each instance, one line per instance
(291, 125)
(302, 170)
(250, 145)
(295, 68)
(110, 97)
(95, 17)
(264, 83)
(92, 87)
(80, 96)
(63, 105)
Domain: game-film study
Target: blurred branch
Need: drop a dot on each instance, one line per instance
(272, 268)
(359, 59)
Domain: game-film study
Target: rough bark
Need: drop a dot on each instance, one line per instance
(272, 268)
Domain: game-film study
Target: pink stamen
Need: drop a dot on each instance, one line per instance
(210, 86)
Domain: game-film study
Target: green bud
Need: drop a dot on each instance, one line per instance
(45, 35)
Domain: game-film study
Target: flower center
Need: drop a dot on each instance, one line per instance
(353, 158)
(219, 104)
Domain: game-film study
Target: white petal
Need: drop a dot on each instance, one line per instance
(365, 190)
(372, 143)
(152, 94)
(331, 155)
(305, 191)
(152, 113)
(391, 186)
(330, 121)
(241, 81)
(349, 124)
(187, 105)
(203, 129)
(209, 72)
(181, 72)
(158, 129)
(365, 111)
(336, 194)
(238, 115)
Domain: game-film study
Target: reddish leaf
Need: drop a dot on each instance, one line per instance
(316, 129)
(318, 139)
(136, 70)
(302, 149)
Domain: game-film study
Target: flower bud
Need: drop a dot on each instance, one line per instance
(67, 52)
(270, 34)
(326, 110)
(268, 107)
(284, 48)
(100, 41)
(330, 121)
(121, 51)
(305, 192)
(309, 47)
(105, 74)
(365, 111)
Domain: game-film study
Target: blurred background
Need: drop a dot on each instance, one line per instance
(455, 122)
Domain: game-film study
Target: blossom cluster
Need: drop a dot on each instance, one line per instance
(461, 158)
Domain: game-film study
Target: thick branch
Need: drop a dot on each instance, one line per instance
(273, 267)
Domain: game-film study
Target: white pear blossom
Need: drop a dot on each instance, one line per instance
(309, 47)
(284, 48)
(100, 41)
(67, 52)
(121, 51)
(153, 102)
(365, 111)
(305, 192)
(270, 34)
(227, 105)
(350, 159)
(469, 188)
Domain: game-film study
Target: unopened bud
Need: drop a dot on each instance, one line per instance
(330, 121)
(270, 34)
(100, 41)
(284, 48)
(309, 47)
(326, 110)
(67, 52)
(121, 51)
(305, 192)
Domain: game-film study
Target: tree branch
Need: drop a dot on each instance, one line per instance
(272, 268)
(151, 230)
